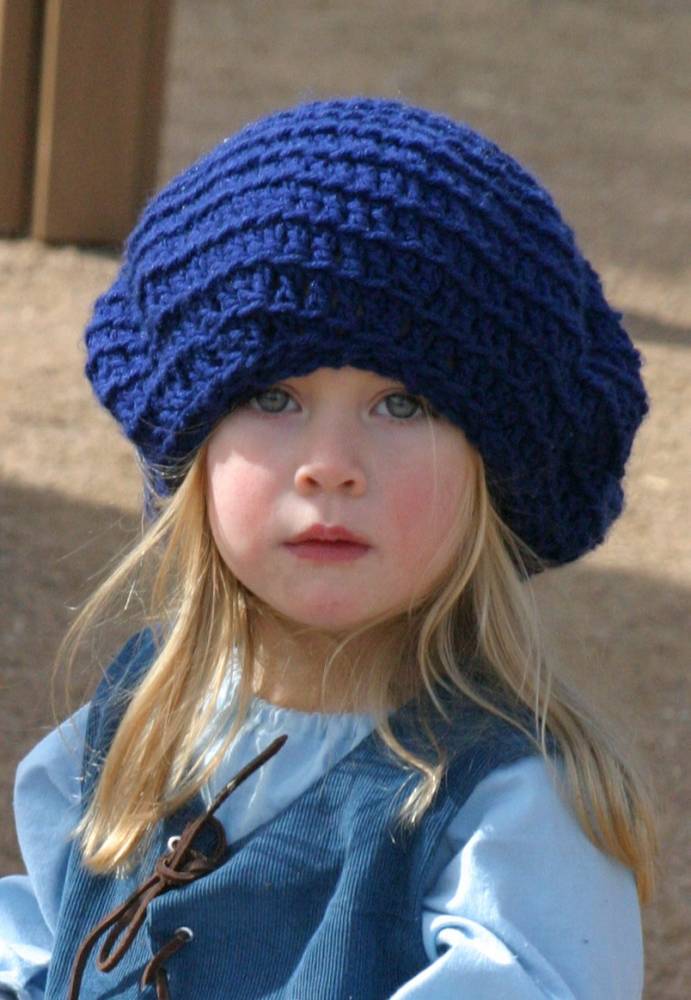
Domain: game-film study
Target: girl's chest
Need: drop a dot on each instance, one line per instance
(322, 894)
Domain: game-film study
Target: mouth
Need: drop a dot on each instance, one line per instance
(328, 543)
(329, 533)
(322, 551)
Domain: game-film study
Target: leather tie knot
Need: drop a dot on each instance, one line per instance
(197, 865)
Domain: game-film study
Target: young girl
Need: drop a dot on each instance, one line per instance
(374, 387)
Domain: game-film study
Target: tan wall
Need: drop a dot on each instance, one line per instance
(81, 115)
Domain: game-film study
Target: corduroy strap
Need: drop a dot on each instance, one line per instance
(180, 865)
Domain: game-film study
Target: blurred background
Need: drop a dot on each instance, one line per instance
(101, 103)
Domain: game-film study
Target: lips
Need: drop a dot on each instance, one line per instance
(328, 544)
(328, 533)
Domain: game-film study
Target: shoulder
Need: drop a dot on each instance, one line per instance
(525, 804)
(112, 695)
(526, 786)
(480, 742)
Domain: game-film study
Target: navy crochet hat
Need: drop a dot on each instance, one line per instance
(371, 233)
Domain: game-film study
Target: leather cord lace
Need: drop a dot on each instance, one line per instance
(180, 865)
(154, 971)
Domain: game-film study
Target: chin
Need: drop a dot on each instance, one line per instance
(328, 620)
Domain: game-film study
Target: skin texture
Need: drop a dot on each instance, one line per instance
(337, 446)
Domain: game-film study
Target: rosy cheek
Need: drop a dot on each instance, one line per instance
(240, 499)
(411, 506)
(422, 513)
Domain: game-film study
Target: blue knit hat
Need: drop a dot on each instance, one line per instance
(371, 233)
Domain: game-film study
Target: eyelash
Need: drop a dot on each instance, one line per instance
(423, 406)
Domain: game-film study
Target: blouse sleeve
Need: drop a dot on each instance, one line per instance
(526, 906)
(46, 785)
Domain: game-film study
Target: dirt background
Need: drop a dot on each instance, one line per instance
(593, 98)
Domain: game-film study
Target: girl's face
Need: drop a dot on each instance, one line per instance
(338, 447)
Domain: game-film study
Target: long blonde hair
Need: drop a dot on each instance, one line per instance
(483, 611)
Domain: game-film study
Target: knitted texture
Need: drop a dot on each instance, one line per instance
(371, 233)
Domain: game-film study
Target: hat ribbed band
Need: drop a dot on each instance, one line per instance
(370, 233)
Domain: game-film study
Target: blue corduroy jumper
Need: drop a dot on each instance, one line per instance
(323, 901)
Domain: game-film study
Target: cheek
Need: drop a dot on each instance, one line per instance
(239, 499)
(424, 504)
(410, 499)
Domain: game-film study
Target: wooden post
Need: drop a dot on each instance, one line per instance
(20, 23)
(100, 101)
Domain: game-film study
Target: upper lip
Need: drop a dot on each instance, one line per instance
(327, 533)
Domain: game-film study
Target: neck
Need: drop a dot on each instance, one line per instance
(293, 668)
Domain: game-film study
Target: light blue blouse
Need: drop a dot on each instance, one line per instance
(524, 907)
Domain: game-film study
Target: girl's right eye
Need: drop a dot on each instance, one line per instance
(269, 401)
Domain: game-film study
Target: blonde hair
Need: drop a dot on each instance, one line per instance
(482, 613)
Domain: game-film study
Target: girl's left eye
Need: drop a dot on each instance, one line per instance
(399, 405)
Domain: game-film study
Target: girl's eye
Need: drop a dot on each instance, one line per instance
(402, 406)
(270, 400)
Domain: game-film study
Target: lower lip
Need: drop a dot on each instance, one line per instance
(328, 551)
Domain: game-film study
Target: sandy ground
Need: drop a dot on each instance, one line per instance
(591, 97)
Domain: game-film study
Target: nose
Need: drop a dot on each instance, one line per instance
(332, 466)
